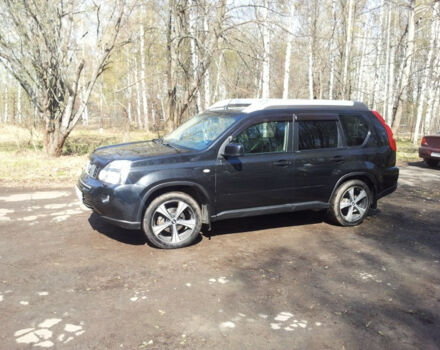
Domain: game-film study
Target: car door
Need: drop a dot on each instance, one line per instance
(263, 175)
(319, 156)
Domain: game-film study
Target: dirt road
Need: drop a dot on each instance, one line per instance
(291, 281)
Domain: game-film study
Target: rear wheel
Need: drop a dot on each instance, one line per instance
(350, 203)
(431, 162)
(172, 220)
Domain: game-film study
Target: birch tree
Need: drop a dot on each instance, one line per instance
(347, 49)
(332, 49)
(423, 94)
(265, 75)
(288, 53)
(403, 92)
(38, 45)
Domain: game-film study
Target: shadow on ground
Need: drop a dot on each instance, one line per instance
(422, 164)
(385, 293)
(232, 226)
(133, 237)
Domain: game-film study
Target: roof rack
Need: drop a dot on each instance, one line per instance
(249, 105)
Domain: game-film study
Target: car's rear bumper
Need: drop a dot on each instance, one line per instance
(387, 182)
(386, 191)
(427, 152)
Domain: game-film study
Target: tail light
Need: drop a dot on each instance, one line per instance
(424, 143)
(391, 140)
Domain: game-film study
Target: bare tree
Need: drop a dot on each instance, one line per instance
(435, 30)
(39, 41)
(288, 50)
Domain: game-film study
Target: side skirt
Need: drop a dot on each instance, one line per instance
(273, 209)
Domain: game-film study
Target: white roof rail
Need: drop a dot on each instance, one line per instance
(233, 103)
(249, 105)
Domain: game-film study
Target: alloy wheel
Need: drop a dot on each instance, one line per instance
(354, 204)
(173, 221)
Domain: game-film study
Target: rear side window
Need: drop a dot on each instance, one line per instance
(382, 136)
(317, 134)
(355, 129)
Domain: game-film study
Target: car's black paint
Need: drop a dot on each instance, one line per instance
(251, 184)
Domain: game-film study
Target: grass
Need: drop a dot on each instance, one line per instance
(406, 151)
(24, 163)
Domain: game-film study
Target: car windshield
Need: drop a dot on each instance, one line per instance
(200, 132)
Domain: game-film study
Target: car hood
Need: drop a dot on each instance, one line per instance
(134, 151)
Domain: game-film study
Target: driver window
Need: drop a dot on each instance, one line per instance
(268, 137)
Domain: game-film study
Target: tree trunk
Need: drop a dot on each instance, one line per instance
(422, 98)
(266, 51)
(408, 59)
(207, 79)
(138, 94)
(387, 65)
(378, 76)
(143, 78)
(193, 49)
(311, 58)
(171, 105)
(347, 50)
(390, 99)
(360, 74)
(19, 115)
(288, 52)
(332, 53)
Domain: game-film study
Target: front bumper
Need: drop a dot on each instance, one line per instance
(118, 204)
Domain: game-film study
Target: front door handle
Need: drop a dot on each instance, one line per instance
(338, 159)
(282, 162)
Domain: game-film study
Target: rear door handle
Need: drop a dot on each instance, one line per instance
(282, 162)
(339, 159)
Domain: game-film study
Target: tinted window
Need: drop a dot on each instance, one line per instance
(355, 129)
(264, 138)
(382, 136)
(315, 134)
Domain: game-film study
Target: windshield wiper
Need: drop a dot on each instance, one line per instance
(163, 142)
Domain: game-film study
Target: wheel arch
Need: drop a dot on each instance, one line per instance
(368, 178)
(192, 189)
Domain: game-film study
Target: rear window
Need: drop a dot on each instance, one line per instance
(317, 134)
(355, 129)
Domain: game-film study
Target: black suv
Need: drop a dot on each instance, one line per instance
(242, 158)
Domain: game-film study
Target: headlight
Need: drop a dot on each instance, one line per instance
(115, 172)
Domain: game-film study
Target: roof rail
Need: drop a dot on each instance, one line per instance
(249, 105)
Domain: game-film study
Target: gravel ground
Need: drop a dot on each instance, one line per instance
(290, 281)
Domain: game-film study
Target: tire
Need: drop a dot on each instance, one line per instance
(345, 200)
(432, 163)
(161, 226)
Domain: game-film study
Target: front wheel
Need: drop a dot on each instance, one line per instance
(350, 203)
(172, 220)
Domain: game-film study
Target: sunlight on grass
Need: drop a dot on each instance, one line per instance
(24, 163)
(406, 151)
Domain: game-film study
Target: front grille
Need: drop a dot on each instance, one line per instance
(92, 170)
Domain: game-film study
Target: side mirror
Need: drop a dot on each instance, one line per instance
(233, 150)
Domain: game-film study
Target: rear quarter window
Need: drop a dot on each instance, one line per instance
(381, 133)
(355, 129)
